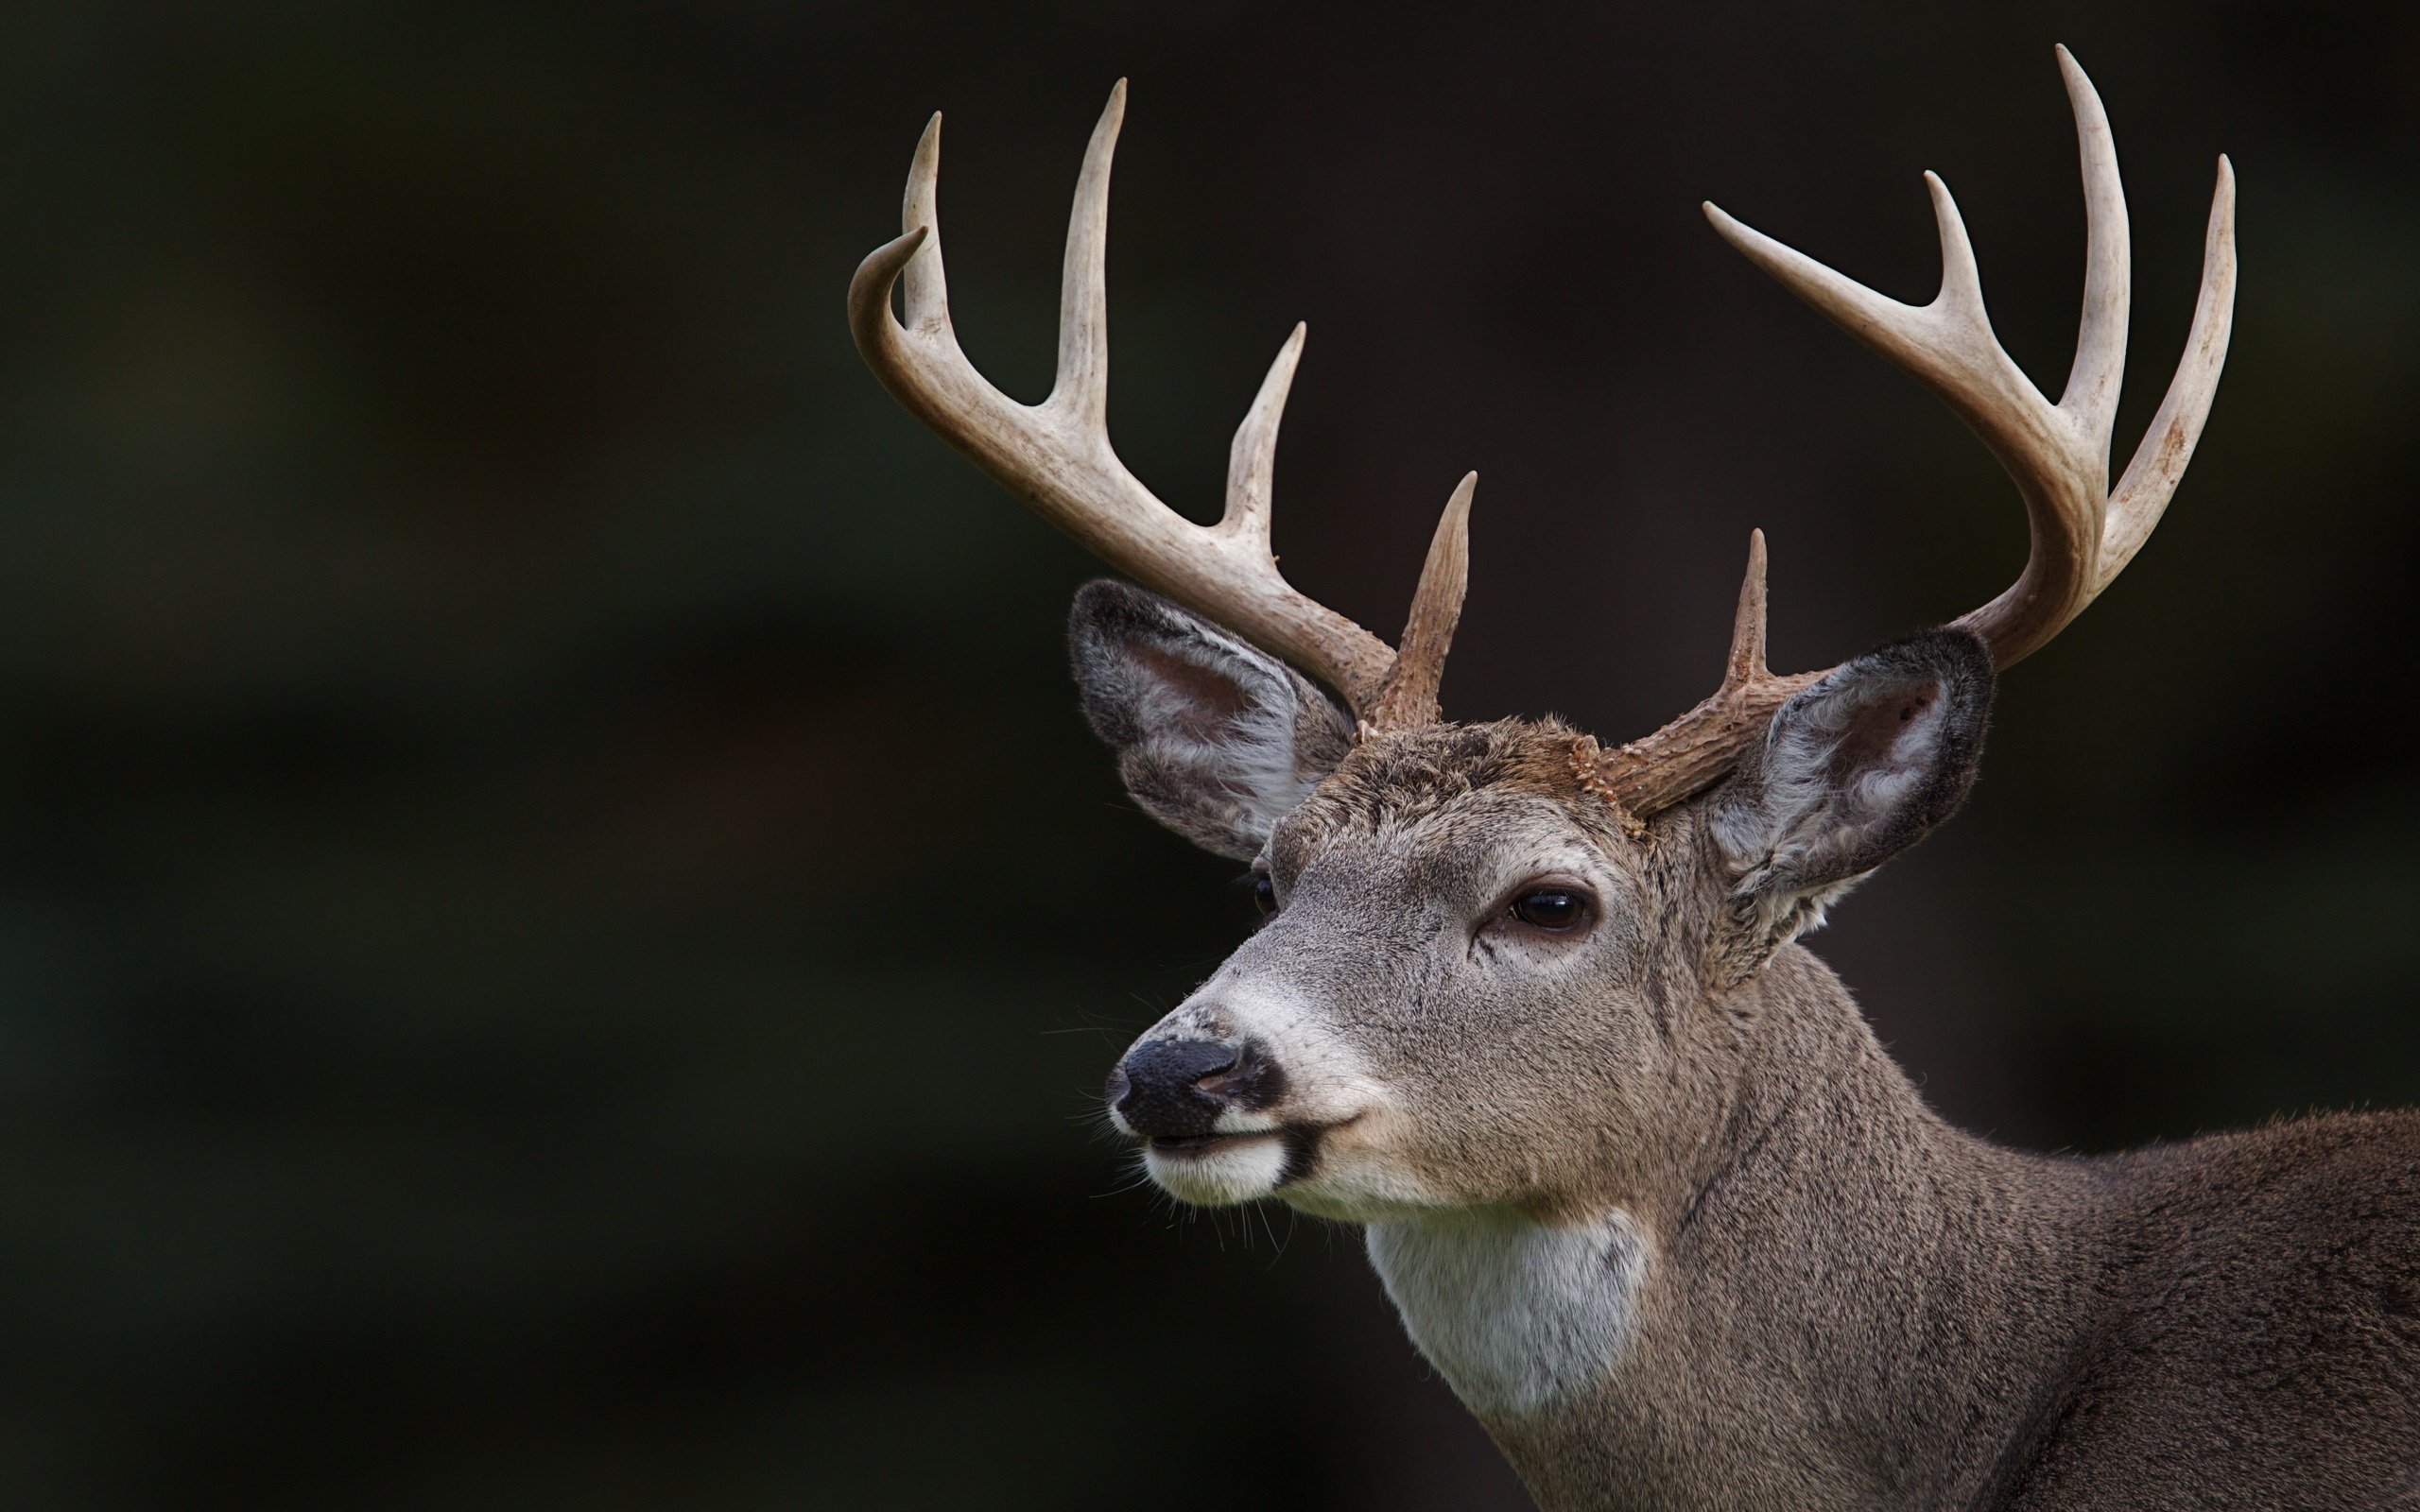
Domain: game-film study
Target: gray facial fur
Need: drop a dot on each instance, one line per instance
(1649, 1193)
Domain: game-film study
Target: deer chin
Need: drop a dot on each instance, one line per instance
(1220, 1169)
(1359, 1179)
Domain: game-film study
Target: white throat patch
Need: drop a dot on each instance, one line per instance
(1515, 1315)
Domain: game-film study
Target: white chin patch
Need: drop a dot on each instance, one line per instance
(1221, 1176)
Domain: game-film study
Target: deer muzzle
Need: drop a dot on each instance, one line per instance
(1177, 1093)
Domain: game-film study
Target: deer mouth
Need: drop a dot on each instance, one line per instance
(1301, 1144)
(1204, 1143)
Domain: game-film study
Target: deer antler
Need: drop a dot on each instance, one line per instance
(2083, 533)
(1057, 457)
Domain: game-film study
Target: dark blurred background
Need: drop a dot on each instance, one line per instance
(558, 923)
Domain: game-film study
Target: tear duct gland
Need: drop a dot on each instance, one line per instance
(1637, 1175)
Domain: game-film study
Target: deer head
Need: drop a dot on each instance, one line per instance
(1505, 968)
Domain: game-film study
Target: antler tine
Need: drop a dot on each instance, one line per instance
(1081, 390)
(2142, 494)
(1252, 461)
(1747, 661)
(1407, 700)
(2058, 455)
(2099, 368)
(1056, 457)
(924, 289)
(1693, 752)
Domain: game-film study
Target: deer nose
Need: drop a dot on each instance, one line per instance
(1176, 1089)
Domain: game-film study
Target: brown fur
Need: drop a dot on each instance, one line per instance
(1809, 1291)
(1857, 1305)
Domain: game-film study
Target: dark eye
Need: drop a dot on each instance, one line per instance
(1556, 908)
(1263, 893)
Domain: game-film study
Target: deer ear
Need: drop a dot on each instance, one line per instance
(1216, 739)
(1853, 769)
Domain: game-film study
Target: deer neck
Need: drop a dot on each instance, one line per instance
(1845, 1302)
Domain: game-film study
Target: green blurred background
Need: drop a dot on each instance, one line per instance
(558, 924)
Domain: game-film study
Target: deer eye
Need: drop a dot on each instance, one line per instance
(1554, 908)
(1263, 893)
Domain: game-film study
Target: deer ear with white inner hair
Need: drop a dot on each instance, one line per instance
(1216, 739)
(1854, 769)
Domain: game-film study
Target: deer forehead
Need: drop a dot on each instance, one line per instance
(1455, 805)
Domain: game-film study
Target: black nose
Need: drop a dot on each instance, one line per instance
(1176, 1089)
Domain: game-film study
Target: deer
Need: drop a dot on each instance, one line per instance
(1534, 1013)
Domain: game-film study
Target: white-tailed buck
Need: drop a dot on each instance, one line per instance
(1637, 1175)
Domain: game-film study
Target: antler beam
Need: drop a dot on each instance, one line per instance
(2083, 533)
(1056, 457)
